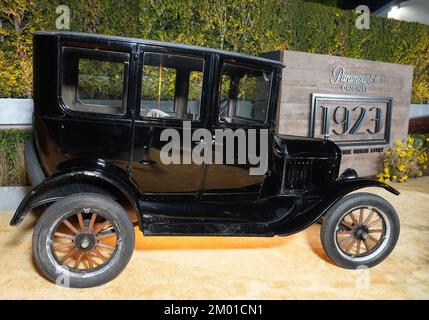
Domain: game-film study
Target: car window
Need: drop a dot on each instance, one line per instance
(244, 96)
(171, 86)
(101, 83)
(94, 81)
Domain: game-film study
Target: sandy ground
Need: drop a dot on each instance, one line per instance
(294, 267)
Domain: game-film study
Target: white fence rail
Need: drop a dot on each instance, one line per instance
(15, 113)
(419, 110)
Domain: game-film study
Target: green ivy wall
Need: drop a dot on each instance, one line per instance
(248, 26)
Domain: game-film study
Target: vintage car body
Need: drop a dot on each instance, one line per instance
(116, 153)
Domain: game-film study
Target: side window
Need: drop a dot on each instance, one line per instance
(95, 81)
(244, 96)
(172, 86)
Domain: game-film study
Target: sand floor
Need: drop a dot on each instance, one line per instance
(294, 267)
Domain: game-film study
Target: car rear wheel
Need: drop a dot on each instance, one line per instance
(360, 230)
(83, 240)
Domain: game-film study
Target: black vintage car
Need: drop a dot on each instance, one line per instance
(101, 105)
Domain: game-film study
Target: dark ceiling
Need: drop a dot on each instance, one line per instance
(372, 4)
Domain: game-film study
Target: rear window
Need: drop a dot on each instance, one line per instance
(95, 81)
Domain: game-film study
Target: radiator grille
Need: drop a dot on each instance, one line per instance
(298, 173)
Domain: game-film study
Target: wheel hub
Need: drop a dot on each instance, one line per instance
(85, 242)
(361, 232)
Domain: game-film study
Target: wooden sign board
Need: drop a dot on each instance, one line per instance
(362, 105)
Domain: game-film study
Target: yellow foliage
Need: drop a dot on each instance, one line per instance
(403, 160)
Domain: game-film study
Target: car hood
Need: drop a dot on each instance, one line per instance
(305, 147)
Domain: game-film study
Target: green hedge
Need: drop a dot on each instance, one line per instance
(422, 137)
(10, 139)
(12, 163)
(248, 26)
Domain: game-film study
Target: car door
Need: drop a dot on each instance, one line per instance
(243, 115)
(172, 94)
(94, 96)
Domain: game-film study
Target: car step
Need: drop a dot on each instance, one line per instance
(207, 229)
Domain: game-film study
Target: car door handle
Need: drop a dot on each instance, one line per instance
(151, 162)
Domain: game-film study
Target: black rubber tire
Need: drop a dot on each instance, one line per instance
(35, 171)
(112, 210)
(333, 216)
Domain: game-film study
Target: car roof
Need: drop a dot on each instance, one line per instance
(231, 54)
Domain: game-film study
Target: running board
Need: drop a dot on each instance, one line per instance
(206, 229)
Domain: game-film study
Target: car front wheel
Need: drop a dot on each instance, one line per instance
(360, 230)
(83, 240)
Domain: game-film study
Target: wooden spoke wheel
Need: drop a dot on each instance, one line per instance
(85, 240)
(361, 231)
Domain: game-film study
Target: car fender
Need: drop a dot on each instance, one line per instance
(47, 191)
(309, 212)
